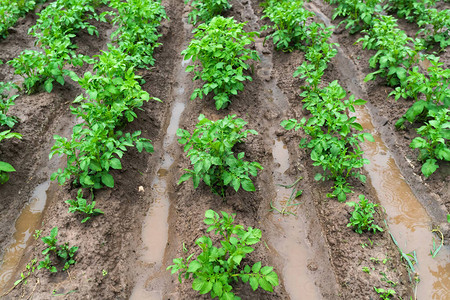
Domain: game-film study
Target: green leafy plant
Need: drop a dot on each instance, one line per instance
(6, 168)
(219, 46)
(12, 10)
(362, 216)
(435, 141)
(29, 269)
(6, 101)
(215, 269)
(289, 18)
(205, 10)
(384, 294)
(358, 14)
(61, 251)
(210, 149)
(394, 56)
(333, 145)
(137, 32)
(81, 205)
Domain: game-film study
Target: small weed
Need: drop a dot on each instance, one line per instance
(366, 270)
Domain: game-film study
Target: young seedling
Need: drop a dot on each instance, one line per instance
(362, 216)
(384, 294)
(61, 251)
(81, 205)
(215, 269)
(210, 149)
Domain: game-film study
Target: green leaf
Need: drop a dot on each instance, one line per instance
(184, 177)
(108, 180)
(217, 288)
(272, 278)
(266, 270)
(194, 266)
(5, 167)
(48, 85)
(265, 284)
(429, 167)
(115, 164)
(256, 267)
(198, 283)
(248, 186)
(318, 176)
(254, 283)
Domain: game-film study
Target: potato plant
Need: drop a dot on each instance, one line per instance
(219, 46)
(111, 95)
(6, 168)
(210, 149)
(6, 101)
(358, 15)
(289, 18)
(434, 142)
(215, 269)
(80, 204)
(205, 10)
(12, 10)
(137, 33)
(57, 25)
(362, 216)
(60, 251)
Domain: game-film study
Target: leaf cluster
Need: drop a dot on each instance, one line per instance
(205, 10)
(81, 205)
(434, 142)
(358, 15)
(362, 216)
(210, 149)
(96, 145)
(219, 46)
(12, 10)
(394, 57)
(289, 18)
(6, 101)
(215, 269)
(61, 251)
(6, 168)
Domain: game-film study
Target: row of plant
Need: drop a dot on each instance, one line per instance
(360, 15)
(398, 62)
(219, 56)
(12, 10)
(7, 98)
(331, 133)
(111, 94)
(435, 23)
(57, 25)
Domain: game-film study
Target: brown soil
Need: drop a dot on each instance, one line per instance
(113, 242)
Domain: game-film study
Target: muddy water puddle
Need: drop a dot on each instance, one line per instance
(155, 232)
(287, 234)
(407, 218)
(27, 222)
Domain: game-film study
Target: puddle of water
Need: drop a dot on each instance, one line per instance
(26, 224)
(155, 232)
(407, 218)
(290, 239)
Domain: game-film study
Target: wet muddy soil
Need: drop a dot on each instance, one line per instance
(149, 218)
